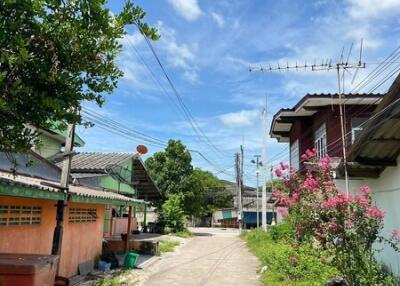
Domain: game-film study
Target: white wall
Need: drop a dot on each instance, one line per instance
(386, 196)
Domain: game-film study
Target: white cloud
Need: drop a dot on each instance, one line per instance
(179, 55)
(362, 9)
(218, 19)
(188, 9)
(191, 76)
(131, 39)
(240, 119)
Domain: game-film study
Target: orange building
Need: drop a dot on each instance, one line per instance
(28, 213)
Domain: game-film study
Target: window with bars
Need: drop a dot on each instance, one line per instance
(81, 215)
(320, 141)
(14, 215)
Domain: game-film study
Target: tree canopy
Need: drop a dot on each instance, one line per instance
(54, 55)
(199, 190)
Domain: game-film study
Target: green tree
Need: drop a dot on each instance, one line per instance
(54, 55)
(173, 172)
(172, 214)
(208, 193)
(172, 168)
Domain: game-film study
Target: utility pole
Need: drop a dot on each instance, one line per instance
(264, 171)
(258, 164)
(274, 220)
(239, 191)
(341, 67)
(241, 182)
(61, 204)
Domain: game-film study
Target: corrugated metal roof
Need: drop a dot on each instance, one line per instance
(94, 164)
(47, 185)
(378, 145)
(95, 161)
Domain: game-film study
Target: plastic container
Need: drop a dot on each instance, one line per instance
(27, 269)
(131, 260)
(104, 266)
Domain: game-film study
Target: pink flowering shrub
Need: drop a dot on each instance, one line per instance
(345, 226)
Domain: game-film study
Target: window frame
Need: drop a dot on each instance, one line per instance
(320, 141)
(293, 150)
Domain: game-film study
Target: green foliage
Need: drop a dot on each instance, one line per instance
(185, 233)
(54, 55)
(173, 172)
(114, 280)
(282, 231)
(172, 213)
(343, 226)
(168, 245)
(171, 169)
(288, 263)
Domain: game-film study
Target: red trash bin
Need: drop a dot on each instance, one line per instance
(27, 269)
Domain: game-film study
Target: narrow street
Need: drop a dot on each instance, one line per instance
(212, 257)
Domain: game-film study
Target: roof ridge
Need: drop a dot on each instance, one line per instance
(111, 152)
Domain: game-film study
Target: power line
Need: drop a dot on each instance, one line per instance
(196, 128)
(117, 128)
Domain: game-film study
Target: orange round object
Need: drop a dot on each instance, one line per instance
(141, 149)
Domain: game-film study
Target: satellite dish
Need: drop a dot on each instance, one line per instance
(141, 149)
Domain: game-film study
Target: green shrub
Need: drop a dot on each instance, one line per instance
(172, 214)
(185, 233)
(167, 230)
(168, 245)
(287, 262)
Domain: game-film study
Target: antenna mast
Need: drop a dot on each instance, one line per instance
(341, 67)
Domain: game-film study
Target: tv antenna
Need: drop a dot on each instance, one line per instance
(342, 66)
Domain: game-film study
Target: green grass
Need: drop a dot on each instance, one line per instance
(183, 233)
(168, 245)
(274, 249)
(114, 280)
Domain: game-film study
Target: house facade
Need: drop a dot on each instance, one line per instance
(229, 216)
(123, 173)
(372, 145)
(28, 212)
(314, 122)
(29, 198)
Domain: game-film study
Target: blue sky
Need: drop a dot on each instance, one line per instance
(207, 47)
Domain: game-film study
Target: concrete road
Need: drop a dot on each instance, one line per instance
(212, 257)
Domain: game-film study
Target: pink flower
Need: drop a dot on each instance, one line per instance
(374, 212)
(311, 153)
(283, 212)
(333, 225)
(308, 154)
(311, 183)
(365, 190)
(324, 163)
(295, 198)
(284, 166)
(278, 172)
(361, 200)
(333, 202)
(395, 234)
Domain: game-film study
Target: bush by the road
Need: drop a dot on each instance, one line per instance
(287, 262)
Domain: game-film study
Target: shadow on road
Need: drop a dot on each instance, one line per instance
(202, 234)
